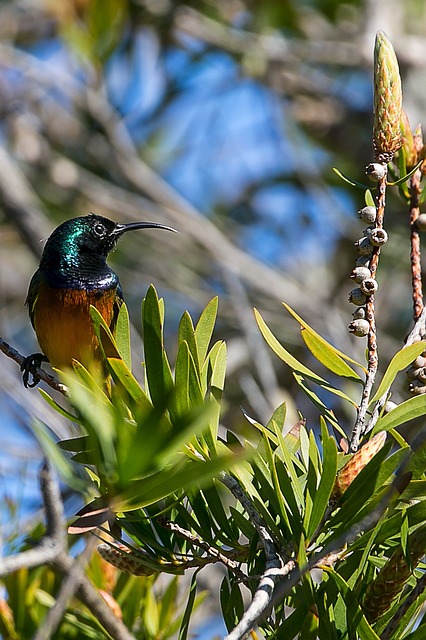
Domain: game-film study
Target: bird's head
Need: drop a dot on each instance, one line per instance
(91, 237)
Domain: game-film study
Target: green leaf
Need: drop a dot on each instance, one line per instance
(324, 352)
(276, 484)
(215, 503)
(400, 361)
(216, 363)
(369, 200)
(316, 401)
(409, 410)
(325, 487)
(187, 383)
(58, 407)
(61, 462)
(171, 480)
(356, 620)
(158, 371)
(186, 333)
(283, 354)
(353, 183)
(184, 627)
(204, 328)
(406, 177)
(122, 335)
(74, 444)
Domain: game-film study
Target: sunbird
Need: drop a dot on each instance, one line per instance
(72, 275)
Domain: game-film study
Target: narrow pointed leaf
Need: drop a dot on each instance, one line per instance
(325, 487)
(409, 410)
(158, 371)
(122, 335)
(400, 361)
(355, 616)
(186, 332)
(324, 352)
(283, 354)
(204, 328)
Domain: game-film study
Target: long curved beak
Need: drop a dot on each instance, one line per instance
(132, 226)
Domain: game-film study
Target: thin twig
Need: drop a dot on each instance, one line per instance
(53, 543)
(12, 353)
(415, 256)
(372, 358)
(275, 569)
(211, 551)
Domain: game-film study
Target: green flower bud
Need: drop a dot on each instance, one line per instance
(387, 138)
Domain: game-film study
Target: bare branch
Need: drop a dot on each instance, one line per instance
(68, 590)
(53, 543)
(12, 353)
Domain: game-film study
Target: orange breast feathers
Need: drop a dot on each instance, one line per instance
(63, 327)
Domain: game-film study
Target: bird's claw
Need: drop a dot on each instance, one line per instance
(29, 368)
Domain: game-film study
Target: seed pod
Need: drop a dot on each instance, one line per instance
(412, 373)
(363, 261)
(124, 559)
(421, 374)
(359, 313)
(368, 214)
(420, 361)
(389, 406)
(390, 581)
(360, 273)
(387, 138)
(357, 297)
(356, 464)
(369, 286)
(421, 222)
(377, 237)
(417, 388)
(359, 328)
(375, 171)
(364, 246)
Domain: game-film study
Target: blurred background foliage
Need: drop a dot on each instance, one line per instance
(223, 118)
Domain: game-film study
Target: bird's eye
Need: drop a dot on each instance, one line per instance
(99, 230)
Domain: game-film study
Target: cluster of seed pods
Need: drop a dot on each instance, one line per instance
(417, 376)
(361, 274)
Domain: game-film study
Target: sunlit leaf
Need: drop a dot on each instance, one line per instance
(158, 371)
(186, 333)
(324, 352)
(122, 335)
(400, 361)
(409, 410)
(325, 487)
(204, 328)
(352, 183)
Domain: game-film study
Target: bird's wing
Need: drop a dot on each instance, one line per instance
(32, 294)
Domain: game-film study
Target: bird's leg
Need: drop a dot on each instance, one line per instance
(30, 366)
